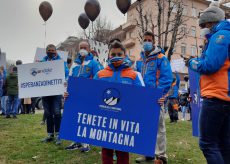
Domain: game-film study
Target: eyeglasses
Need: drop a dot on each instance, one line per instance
(119, 54)
(147, 40)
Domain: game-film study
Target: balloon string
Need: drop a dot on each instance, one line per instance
(92, 31)
(45, 36)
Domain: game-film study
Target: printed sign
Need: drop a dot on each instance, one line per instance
(111, 115)
(196, 103)
(41, 79)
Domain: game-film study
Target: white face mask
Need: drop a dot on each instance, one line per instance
(83, 52)
(204, 32)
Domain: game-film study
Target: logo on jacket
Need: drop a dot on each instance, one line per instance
(219, 39)
(35, 71)
(111, 98)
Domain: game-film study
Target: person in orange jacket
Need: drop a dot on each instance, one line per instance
(118, 71)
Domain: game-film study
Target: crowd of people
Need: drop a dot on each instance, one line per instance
(11, 105)
(152, 70)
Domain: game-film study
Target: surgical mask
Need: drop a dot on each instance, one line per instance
(83, 52)
(51, 54)
(204, 32)
(147, 46)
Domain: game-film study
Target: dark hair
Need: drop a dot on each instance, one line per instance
(50, 46)
(116, 44)
(18, 62)
(113, 40)
(148, 33)
(174, 79)
(15, 69)
(69, 60)
(85, 41)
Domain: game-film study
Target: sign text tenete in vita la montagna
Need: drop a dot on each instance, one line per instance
(123, 133)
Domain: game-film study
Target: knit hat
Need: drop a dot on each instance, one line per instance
(211, 14)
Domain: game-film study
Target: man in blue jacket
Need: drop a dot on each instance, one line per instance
(157, 73)
(86, 67)
(52, 104)
(214, 69)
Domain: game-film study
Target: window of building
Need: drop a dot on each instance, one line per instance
(130, 52)
(183, 49)
(174, 10)
(128, 35)
(194, 12)
(193, 31)
(193, 50)
(130, 17)
(185, 10)
(183, 28)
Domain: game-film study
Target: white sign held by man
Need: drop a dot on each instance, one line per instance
(41, 53)
(41, 79)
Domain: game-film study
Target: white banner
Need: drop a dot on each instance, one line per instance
(178, 65)
(41, 53)
(41, 79)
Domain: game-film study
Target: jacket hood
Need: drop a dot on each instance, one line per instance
(223, 25)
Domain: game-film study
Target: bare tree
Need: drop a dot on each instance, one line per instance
(144, 21)
(165, 30)
(176, 35)
(100, 30)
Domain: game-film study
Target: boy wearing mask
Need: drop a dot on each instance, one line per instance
(118, 71)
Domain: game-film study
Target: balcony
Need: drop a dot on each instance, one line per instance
(129, 42)
(128, 26)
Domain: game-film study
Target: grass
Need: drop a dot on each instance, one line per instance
(20, 143)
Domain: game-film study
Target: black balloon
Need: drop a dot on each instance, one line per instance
(92, 9)
(123, 5)
(45, 10)
(83, 21)
(18, 62)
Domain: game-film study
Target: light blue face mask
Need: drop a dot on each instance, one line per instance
(148, 46)
(83, 52)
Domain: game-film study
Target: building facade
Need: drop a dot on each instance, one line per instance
(187, 46)
(70, 45)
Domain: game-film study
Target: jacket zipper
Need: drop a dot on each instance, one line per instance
(116, 75)
(82, 66)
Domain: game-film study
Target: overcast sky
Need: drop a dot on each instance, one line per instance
(22, 29)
